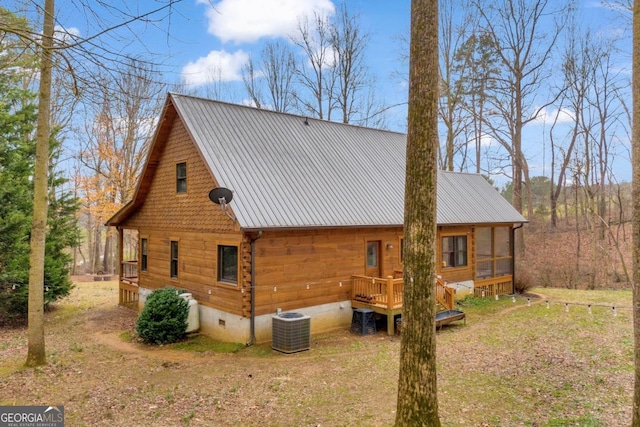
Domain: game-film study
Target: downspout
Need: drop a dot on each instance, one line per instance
(252, 318)
(513, 255)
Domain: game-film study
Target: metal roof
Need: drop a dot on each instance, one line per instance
(291, 171)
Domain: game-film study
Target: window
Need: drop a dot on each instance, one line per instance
(174, 259)
(143, 254)
(402, 250)
(228, 264)
(181, 177)
(454, 251)
(372, 254)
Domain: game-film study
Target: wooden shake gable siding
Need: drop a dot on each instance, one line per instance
(198, 226)
(165, 208)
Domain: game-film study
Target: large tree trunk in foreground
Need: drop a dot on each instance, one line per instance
(635, 144)
(36, 350)
(417, 387)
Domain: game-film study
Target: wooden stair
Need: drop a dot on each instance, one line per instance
(444, 295)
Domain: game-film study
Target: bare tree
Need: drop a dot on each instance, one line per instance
(348, 43)
(315, 41)
(417, 386)
(278, 69)
(577, 68)
(80, 55)
(115, 148)
(36, 345)
(635, 146)
(453, 72)
(606, 108)
(250, 79)
(524, 33)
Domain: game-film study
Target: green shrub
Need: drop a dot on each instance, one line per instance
(164, 317)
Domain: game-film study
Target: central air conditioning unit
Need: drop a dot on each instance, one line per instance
(291, 332)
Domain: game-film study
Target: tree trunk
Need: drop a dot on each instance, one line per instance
(36, 347)
(635, 143)
(96, 267)
(106, 257)
(417, 386)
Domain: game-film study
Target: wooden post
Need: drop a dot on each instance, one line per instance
(390, 305)
(120, 266)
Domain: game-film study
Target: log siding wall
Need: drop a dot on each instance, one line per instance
(303, 268)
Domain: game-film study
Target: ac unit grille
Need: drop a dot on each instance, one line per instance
(291, 332)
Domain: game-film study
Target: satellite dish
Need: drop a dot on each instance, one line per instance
(221, 195)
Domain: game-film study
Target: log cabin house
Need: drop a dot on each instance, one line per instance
(315, 224)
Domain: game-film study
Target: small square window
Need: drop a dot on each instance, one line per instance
(174, 259)
(181, 177)
(228, 264)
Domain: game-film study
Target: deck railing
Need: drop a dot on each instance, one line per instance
(494, 286)
(379, 292)
(444, 294)
(129, 272)
(129, 284)
(129, 294)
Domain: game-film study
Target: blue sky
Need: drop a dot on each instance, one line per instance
(204, 40)
(204, 35)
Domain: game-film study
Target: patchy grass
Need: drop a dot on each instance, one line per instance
(510, 365)
(203, 344)
(128, 336)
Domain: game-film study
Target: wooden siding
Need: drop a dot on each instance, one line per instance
(293, 268)
(194, 221)
(197, 267)
(193, 211)
(303, 268)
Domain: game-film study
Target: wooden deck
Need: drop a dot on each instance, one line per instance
(384, 296)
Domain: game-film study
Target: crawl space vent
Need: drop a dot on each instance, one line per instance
(291, 332)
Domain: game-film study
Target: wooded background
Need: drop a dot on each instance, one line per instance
(504, 66)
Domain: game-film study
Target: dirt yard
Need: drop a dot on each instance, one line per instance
(510, 365)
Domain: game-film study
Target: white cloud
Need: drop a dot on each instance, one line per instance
(248, 20)
(217, 66)
(486, 140)
(66, 35)
(549, 115)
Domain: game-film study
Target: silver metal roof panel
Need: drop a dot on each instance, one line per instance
(291, 171)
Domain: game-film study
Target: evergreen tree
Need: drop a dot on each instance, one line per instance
(18, 116)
